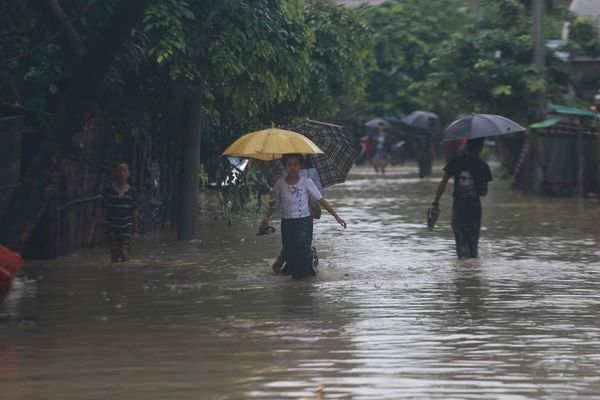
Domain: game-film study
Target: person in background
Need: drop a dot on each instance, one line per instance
(471, 176)
(10, 263)
(120, 200)
(292, 195)
(424, 154)
(309, 171)
(365, 148)
(381, 149)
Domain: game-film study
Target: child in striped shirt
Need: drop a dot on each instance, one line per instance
(120, 201)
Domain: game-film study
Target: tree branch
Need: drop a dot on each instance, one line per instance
(82, 94)
(68, 33)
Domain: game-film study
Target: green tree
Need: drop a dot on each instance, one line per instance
(406, 35)
(193, 71)
(460, 56)
(80, 96)
(486, 67)
(340, 60)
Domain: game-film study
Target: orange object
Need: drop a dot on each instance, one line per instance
(453, 148)
(10, 264)
(366, 142)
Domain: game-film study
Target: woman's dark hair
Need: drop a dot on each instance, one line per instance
(308, 162)
(299, 156)
(475, 145)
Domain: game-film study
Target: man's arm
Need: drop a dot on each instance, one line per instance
(484, 189)
(486, 178)
(441, 188)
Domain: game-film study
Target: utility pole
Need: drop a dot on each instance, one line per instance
(187, 213)
(539, 46)
(596, 108)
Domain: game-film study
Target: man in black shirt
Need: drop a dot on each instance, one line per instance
(471, 176)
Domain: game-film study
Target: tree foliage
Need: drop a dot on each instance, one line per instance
(272, 61)
(457, 56)
(487, 67)
(275, 60)
(340, 60)
(406, 35)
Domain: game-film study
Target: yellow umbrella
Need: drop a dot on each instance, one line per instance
(271, 144)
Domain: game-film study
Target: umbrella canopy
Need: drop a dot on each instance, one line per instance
(339, 153)
(480, 125)
(423, 120)
(374, 123)
(393, 120)
(271, 144)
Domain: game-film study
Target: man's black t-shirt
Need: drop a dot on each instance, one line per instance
(469, 173)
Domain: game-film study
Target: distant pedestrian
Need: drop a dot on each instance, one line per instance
(365, 148)
(381, 149)
(292, 195)
(424, 154)
(10, 263)
(471, 176)
(120, 200)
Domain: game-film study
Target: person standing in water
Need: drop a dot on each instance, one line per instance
(120, 201)
(471, 176)
(381, 147)
(308, 171)
(424, 154)
(292, 195)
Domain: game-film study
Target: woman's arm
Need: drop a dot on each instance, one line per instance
(440, 190)
(325, 204)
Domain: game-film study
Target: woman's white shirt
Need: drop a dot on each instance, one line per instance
(311, 173)
(293, 199)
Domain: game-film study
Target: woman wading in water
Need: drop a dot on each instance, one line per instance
(292, 195)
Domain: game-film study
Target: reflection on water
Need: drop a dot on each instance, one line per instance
(392, 314)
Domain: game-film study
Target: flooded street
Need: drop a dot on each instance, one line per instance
(392, 314)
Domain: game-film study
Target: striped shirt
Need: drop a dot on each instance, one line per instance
(120, 206)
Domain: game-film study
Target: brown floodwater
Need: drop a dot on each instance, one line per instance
(391, 315)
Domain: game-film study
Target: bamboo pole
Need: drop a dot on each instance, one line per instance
(79, 201)
(580, 164)
(598, 152)
(539, 46)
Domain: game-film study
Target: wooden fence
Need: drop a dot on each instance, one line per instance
(74, 217)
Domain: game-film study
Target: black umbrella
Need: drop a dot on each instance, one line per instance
(339, 153)
(374, 123)
(480, 125)
(423, 120)
(393, 120)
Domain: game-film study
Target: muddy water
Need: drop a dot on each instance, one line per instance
(392, 315)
